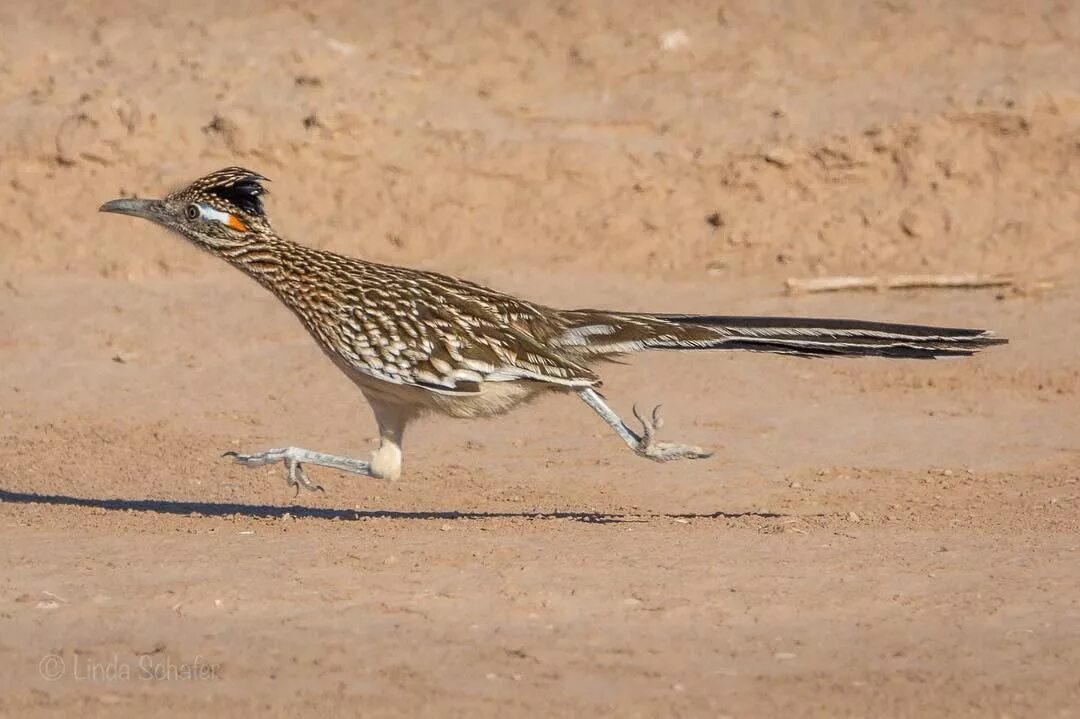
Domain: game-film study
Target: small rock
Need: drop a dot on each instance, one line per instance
(920, 221)
(853, 517)
(784, 656)
(338, 46)
(674, 40)
(779, 156)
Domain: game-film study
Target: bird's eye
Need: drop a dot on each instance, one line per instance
(192, 212)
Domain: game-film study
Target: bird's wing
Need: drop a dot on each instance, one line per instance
(447, 341)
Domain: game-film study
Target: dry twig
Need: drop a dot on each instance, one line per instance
(896, 282)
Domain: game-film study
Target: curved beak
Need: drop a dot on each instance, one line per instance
(147, 209)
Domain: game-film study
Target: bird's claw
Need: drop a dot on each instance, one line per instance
(295, 476)
(649, 448)
(650, 426)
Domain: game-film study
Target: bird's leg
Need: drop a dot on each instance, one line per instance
(294, 457)
(385, 461)
(644, 444)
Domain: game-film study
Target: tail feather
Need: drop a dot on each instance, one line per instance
(593, 333)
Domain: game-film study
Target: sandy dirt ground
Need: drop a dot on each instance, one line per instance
(872, 538)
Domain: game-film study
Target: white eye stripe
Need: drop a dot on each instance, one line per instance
(209, 213)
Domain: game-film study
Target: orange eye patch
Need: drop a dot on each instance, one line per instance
(234, 222)
(226, 218)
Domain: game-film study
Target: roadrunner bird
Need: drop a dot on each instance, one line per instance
(416, 341)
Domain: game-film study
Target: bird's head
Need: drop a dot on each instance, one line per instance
(223, 209)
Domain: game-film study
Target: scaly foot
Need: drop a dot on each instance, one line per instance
(649, 448)
(294, 456)
(295, 476)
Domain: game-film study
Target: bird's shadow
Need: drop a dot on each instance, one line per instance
(272, 511)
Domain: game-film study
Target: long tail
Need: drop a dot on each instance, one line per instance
(599, 334)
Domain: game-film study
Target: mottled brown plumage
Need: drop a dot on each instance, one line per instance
(417, 341)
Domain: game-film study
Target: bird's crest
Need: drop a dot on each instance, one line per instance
(237, 186)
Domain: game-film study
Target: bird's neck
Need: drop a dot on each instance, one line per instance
(301, 277)
(265, 258)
